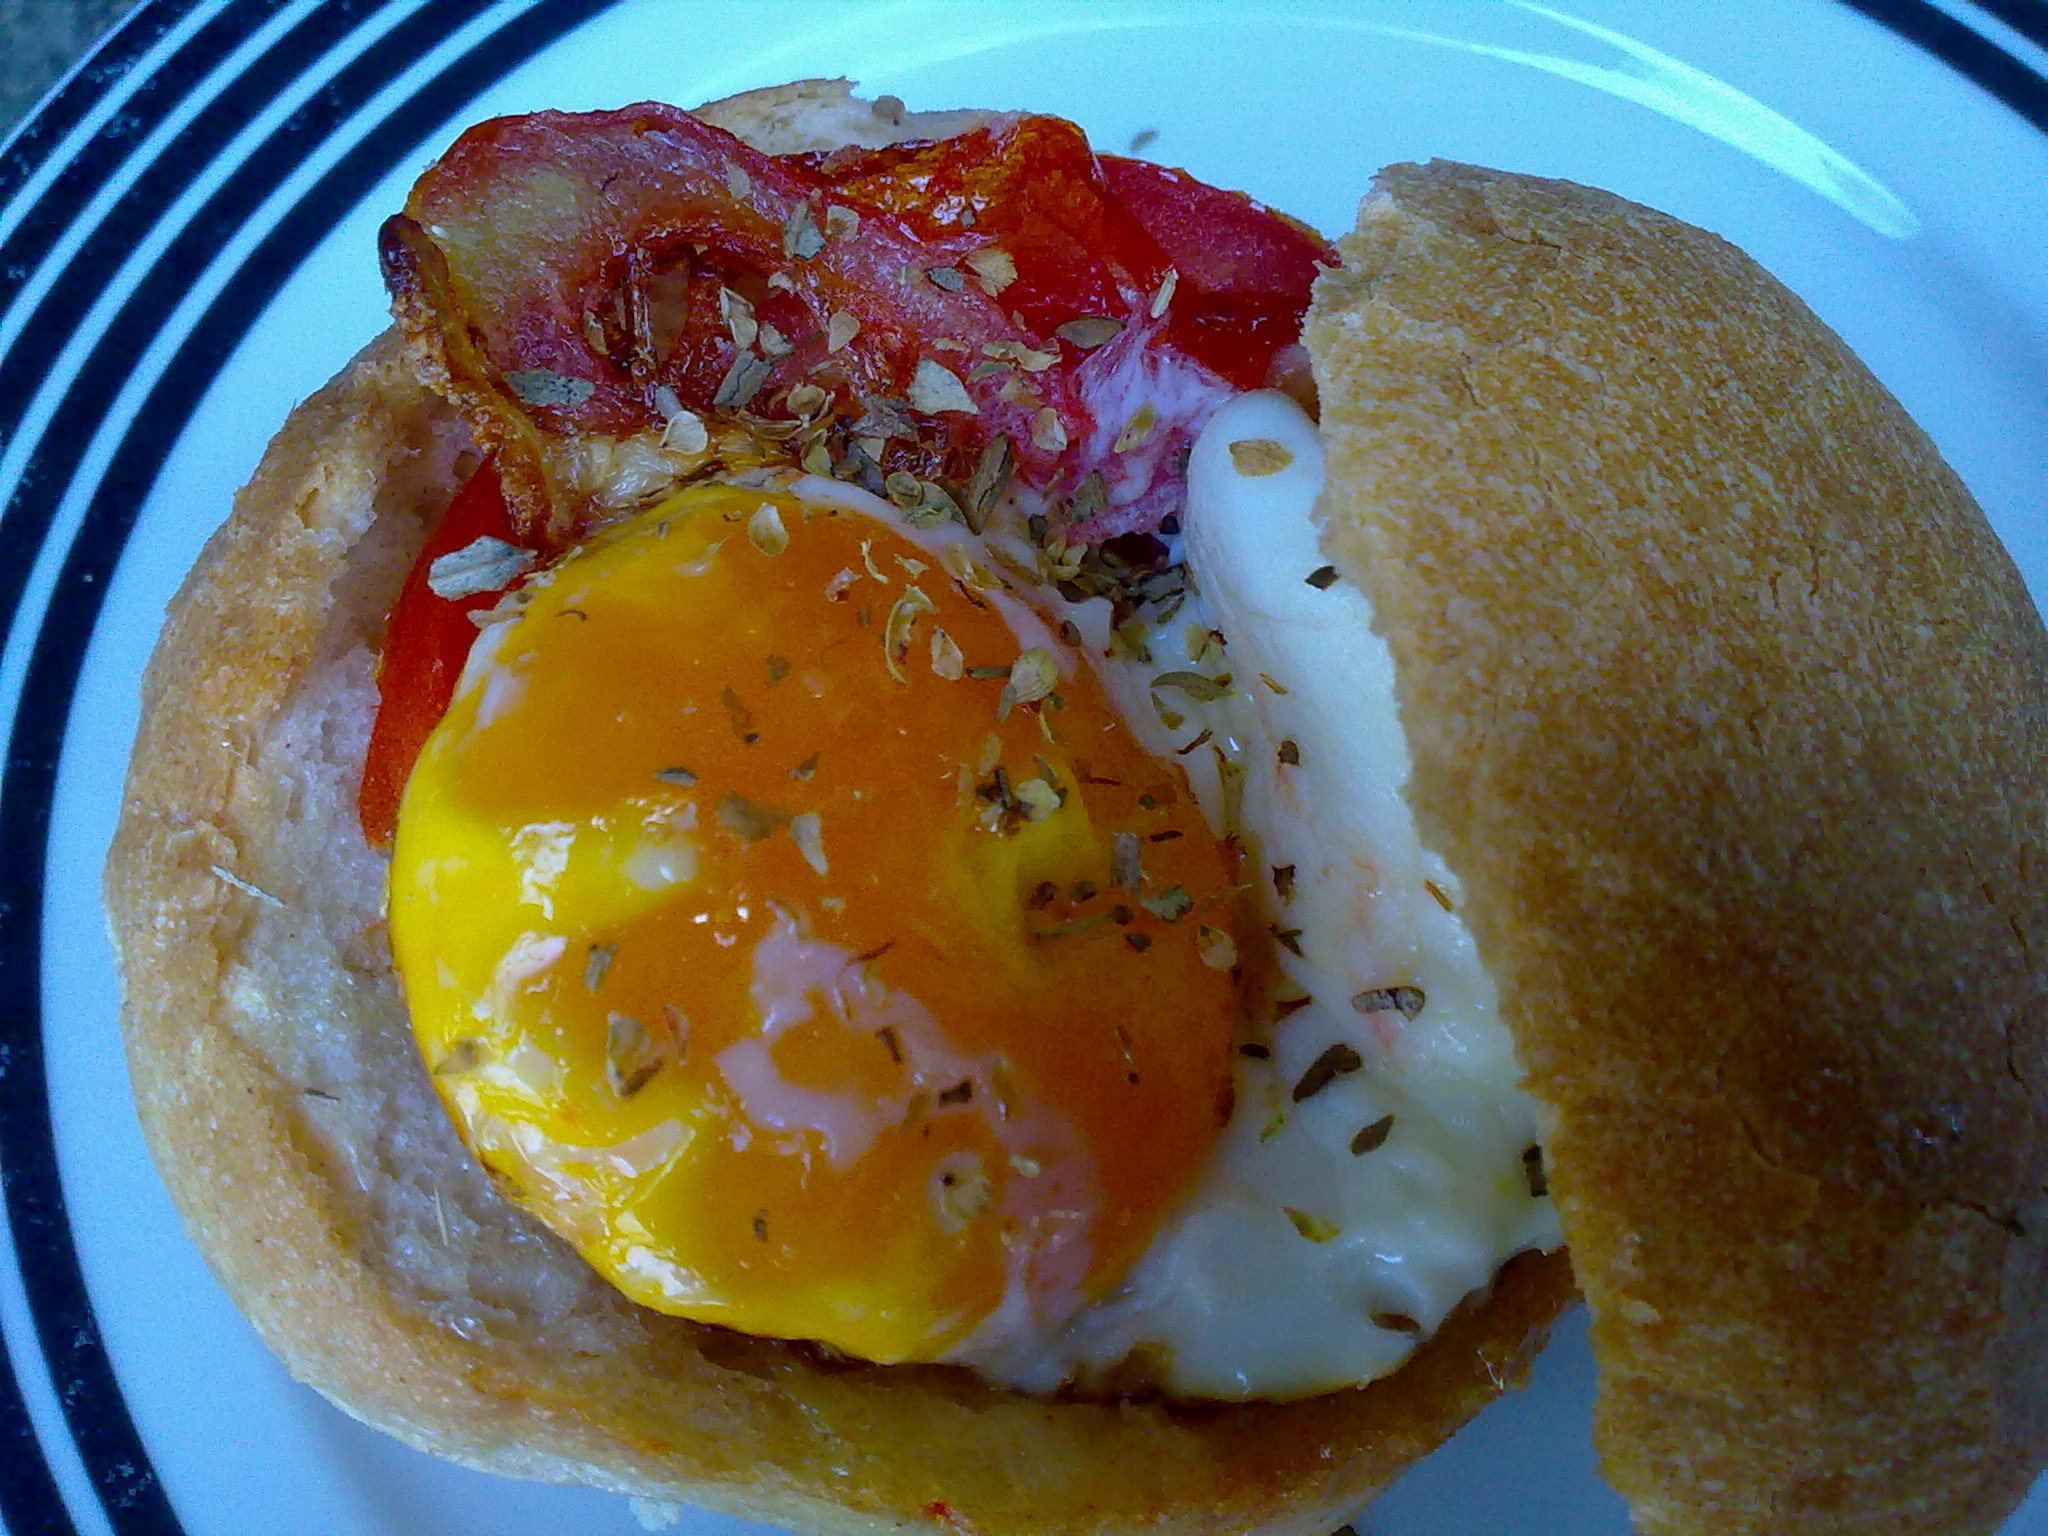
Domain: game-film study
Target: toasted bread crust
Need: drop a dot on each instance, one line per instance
(1731, 714)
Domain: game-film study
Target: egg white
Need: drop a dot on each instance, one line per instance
(1294, 1265)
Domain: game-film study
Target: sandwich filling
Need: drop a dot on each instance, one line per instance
(901, 888)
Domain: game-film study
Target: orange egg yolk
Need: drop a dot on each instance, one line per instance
(814, 953)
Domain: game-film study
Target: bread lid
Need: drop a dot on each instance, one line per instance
(1730, 713)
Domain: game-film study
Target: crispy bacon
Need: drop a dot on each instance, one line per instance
(573, 273)
(561, 275)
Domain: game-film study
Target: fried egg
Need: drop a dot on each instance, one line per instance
(837, 936)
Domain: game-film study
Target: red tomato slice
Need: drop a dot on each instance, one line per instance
(425, 644)
(1243, 271)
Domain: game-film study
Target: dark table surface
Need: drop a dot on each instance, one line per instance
(39, 40)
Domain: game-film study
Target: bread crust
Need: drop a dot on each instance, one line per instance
(1731, 714)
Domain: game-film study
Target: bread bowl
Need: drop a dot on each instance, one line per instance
(210, 852)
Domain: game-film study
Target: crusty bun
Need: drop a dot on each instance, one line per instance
(1732, 714)
(1711, 786)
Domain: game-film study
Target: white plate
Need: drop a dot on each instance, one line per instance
(188, 249)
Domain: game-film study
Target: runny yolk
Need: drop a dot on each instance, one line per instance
(773, 955)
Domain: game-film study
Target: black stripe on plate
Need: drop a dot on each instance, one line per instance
(29, 1502)
(2029, 18)
(119, 52)
(100, 158)
(1970, 53)
(93, 267)
(134, 1501)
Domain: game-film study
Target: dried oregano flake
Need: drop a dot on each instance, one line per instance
(629, 1055)
(841, 223)
(993, 268)
(685, 432)
(1316, 1229)
(545, 387)
(737, 315)
(1339, 1060)
(1372, 1137)
(746, 819)
(801, 238)
(1196, 685)
(1136, 429)
(807, 832)
(1088, 331)
(903, 615)
(1126, 861)
(1038, 798)
(935, 388)
(743, 380)
(482, 565)
(947, 662)
(1406, 1001)
(1033, 676)
(765, 530)
(1255, 457)
(1216, 948)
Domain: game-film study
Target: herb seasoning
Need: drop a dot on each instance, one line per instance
(1406, 1001)
(1372, 1137)
(1315, 1228)
(1337, 1061)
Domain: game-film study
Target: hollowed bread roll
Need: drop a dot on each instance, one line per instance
(1725, 707)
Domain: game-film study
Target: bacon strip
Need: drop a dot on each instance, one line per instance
(566, 273)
